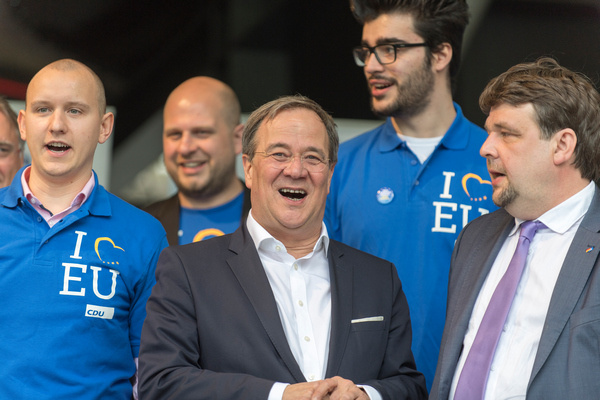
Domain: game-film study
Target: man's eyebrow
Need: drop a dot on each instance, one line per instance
(498, 126)
(287, 147)
(5, 143)
(78, 104)
(69, 104)
(384, 41)
(275, 145)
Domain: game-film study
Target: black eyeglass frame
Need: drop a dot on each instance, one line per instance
(372, 50)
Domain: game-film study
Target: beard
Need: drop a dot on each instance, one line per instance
(211, 183)
(505, 196)
(413, 94)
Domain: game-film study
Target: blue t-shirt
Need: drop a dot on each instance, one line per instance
(197, 225)
(385, 202)
(74, 296)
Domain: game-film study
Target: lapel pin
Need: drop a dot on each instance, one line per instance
(385, 195)
(589, 249)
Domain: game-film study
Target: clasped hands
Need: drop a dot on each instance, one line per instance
(336, 388)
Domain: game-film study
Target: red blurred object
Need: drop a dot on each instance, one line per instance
(12, 90)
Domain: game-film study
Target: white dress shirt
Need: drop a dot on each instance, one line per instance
(517, 347)
(302, 291)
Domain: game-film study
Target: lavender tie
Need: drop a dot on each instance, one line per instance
(473, 378)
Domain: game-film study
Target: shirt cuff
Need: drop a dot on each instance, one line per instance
(276, 392)
(371, 392)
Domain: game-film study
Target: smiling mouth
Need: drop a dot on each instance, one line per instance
(58, 147)
(192, 164)
(380, 86)
(293, 194)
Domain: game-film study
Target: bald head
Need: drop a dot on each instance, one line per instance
(202, 135)
(206, 90)
(73, 65)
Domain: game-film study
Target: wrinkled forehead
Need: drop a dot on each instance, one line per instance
(297, 129)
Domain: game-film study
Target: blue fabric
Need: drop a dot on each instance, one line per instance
(417, 229)
(196, 225)
(57, 337)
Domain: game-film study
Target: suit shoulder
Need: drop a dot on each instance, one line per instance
(157, 208)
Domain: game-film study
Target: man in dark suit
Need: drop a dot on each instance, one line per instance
(277, 310)
(202, 135)
(543, 156)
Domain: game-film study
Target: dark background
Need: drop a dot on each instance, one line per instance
(266, 48)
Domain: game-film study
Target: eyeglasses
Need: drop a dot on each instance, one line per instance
(312, 162)
(384, 53)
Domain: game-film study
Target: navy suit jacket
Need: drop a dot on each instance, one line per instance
(567, 363)
(213, 330)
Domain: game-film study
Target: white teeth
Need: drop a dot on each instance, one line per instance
(191, 164)
(293, 191)
(58, 145)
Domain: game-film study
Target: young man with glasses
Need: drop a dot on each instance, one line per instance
(404, 190)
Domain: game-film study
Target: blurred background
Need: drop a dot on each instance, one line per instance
(263, 49)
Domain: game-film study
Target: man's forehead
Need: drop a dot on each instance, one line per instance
(51, 83)
(508, 116)
(7, 133)
(289, 130)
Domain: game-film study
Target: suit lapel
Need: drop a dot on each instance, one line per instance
(248, 269)
(571, 282)
(471, 271)
(341, 308)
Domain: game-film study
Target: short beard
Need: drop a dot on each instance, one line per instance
(217, 182)
(413, 95)
(506, 196)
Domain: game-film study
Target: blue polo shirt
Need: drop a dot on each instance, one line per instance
(74, 296)
(385, 202)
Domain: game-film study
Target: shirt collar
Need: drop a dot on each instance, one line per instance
(262, 239)
(79, 199)
(562, 217)
(454, 138)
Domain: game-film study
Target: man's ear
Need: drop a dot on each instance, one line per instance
(237, 138)
(21, 121)
(441, 57)
(564, 146)
(106, 127)
(247, 170)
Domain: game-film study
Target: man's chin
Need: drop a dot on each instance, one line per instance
(381, 108)
(192, 188)
(504, 197)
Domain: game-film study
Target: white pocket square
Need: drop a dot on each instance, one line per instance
(367, 319)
